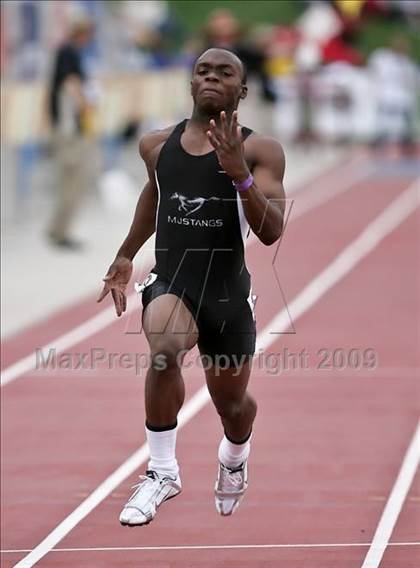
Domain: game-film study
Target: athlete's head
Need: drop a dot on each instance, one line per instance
(218, 81)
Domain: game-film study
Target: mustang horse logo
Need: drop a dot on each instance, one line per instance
(189, 206)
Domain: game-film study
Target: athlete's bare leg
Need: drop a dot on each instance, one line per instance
(169, 328)
(237, 409)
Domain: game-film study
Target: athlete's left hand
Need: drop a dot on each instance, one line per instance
(226, 139)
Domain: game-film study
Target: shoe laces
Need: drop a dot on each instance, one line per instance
(147, 484)
(233, 477)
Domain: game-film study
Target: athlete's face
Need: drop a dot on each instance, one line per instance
(217, 82)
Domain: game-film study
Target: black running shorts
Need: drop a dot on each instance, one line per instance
(226, 329)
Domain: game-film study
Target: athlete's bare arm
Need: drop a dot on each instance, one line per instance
(264, 202)
(143, 224)
(142, 227)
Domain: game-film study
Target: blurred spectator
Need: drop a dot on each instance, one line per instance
(224, 30)
(340, 46)
(282, 69)
(317, 26)
(327, 85)
(396, 80)
(71, 115)
(343, 109)
(25, 40)
(339, 49)
(148, 28)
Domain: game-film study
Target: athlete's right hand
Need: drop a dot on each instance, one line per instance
(116, 281)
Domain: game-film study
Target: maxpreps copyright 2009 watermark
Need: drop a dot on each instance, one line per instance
(286, 360)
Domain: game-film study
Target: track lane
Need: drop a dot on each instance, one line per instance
(303, 495)
(108, 339)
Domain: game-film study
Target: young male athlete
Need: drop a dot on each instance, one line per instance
(210, 180)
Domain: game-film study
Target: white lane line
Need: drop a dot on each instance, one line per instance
(395, 502)
(326, 192)
(190, 409)
(369, 238)
(377, 230)
(333, 186)
(213, 547)
(332, 176)
(88, 328)
(63, 342)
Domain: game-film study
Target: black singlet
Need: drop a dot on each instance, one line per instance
(200, 239)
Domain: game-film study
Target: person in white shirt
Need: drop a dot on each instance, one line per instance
(396, 83)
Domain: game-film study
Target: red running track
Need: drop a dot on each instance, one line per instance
(328, 443)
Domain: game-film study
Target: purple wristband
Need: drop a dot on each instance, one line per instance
(244, 185)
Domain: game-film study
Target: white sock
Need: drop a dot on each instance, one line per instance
(162, 451)
(233, 455)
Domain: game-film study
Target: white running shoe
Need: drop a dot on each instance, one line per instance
(150, 493)
(230, 487)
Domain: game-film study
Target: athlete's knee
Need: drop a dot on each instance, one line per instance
(235, 409)
(164, 353)
(230, 410)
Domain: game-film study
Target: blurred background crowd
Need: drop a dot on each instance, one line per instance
(82, 79)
